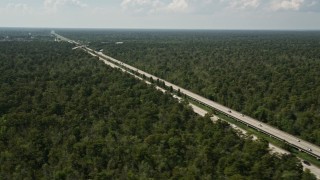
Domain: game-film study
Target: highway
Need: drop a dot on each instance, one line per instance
(300, 144)
(64, 39)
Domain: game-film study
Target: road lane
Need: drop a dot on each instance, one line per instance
(281, 135)
(273, 149)
(276, 133)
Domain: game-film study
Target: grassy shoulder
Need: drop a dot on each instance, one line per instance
(249, 130)
(261, 135)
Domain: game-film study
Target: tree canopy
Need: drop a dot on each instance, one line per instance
(270, 75)
(66, 115)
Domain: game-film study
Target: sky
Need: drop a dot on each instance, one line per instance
(162, 14)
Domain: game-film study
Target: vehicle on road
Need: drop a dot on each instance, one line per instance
(274, 132)
(306, 163)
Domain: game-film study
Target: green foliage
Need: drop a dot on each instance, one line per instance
(272, 76)
(65, 115)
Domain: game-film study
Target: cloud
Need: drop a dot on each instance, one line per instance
(154, 6)
(274, 5)
(311, 5)
(18, 8)
(295, 5)
(141, 6)
(78, 3)
(244, 4)
(287, 5)
(216, 6)
(52, 6)
(178, 6)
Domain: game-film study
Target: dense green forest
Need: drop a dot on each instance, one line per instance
(273, 76)
(24, 34)
(65, 115)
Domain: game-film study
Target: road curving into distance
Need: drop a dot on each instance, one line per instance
(291, 140)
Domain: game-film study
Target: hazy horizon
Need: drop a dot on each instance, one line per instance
(163, 14)
(153, 29)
